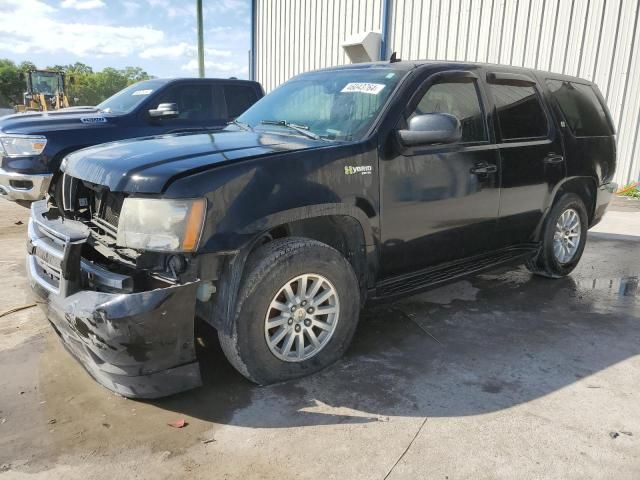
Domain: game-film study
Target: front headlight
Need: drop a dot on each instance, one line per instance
(161, 225)
(22, 145)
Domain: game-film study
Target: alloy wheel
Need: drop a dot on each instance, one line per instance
(566, 237)
(302, 318)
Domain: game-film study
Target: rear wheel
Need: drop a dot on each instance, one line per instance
(296, 312)
(563, 238)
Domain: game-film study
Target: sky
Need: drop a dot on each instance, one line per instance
(157, 35)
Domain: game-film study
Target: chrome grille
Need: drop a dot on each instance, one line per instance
(47, 256)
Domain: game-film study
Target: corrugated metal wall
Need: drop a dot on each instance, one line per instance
(295, 36)
(593, 39)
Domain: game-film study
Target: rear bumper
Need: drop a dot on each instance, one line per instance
(26, 187)
(140, 345)
(604, 195)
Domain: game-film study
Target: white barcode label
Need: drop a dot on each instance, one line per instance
(372, 88)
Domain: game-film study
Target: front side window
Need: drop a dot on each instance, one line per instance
(460, 99)
(581, 108)
(520, 113)
(333, 104)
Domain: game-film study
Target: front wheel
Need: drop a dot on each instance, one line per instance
(563, 238)
(296, 313)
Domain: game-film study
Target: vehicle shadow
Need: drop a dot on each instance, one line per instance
(473, 347)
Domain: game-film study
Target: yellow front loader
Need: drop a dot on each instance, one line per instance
(45, 91)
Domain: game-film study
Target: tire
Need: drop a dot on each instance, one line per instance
(269, 269)
(549, 263)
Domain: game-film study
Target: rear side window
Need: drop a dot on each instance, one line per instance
(581, 108)
(520, 113)
(460, 99)
(239, 98)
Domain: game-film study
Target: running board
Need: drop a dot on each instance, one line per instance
(415, 282)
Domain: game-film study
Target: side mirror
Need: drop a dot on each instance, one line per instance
(431, 128)
(165, 110)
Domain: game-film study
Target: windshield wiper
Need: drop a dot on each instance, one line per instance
(303, 129)
(242, 125)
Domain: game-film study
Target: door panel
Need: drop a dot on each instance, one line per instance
(527, 185)
(435, 209)
(531, 158)
(440, 203)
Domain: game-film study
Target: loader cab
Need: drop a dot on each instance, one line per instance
(45, 90)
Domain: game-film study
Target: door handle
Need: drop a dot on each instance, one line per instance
(483, 168)
(553, 158)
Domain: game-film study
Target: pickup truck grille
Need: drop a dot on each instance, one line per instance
(111, 207)
(105, 231)
(47, 258)
(93, 204)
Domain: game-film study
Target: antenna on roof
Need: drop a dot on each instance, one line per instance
(394, 58)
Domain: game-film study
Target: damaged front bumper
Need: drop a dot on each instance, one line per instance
(140, 344)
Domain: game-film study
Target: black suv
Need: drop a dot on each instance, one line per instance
(32, 145)
(342, 186)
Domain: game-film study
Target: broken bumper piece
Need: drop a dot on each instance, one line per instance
(140, 345)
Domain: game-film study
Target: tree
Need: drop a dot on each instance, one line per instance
(27, 66)
(84, 86)
(11, 84)
(78, 67)
(135, 74)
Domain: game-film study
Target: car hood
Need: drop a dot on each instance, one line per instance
(43, 122)
(147, 165)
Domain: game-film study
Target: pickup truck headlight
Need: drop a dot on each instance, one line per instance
(22, 145)
(163, 225)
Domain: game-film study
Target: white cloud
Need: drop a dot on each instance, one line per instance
(181, 49)
(183, 8)
(217, 69)
(35, 7)
(228, 35)
(46, 35)
(192, 66)
(52, 30)
(131, 8)
(173, 9)
(217, 6)
(82, 4)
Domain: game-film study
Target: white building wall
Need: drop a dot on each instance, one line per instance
(593, 39)
(295, 36)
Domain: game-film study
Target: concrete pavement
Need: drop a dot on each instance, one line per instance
(501, 376)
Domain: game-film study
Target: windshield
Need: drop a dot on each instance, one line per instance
(47, 83)
(126, 100)
(333, 105)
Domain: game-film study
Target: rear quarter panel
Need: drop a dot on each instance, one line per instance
(593, 157)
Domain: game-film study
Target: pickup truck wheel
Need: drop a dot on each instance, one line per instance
(563, 238)
(296, 312)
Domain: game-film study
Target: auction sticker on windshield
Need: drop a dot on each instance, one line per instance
(141, 92)
(372, 88)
